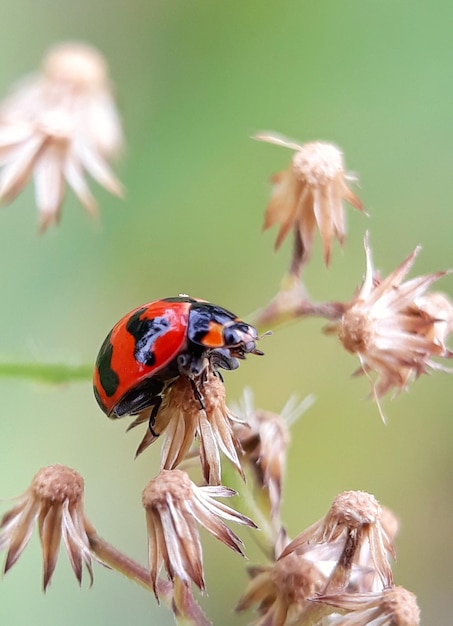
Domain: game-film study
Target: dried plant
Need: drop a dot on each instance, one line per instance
(55, 500)
(57, 124)
(337, 572)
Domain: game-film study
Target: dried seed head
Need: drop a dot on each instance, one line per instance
(356, 332)
(391, 607)
(77, 64)
(264, 438)
(174, 505)
(395, 327)
(296, 579)
(309, 195)
(401, 607)
(283, 591)
(57, 484)
(56, 126)
(265, 444)
(185, 415)
(349, 544)
(176, 485)
(353, 509)
(318, 164)
(55, 499)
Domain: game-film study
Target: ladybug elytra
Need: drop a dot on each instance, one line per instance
(159, 341)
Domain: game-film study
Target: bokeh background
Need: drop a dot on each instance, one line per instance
(194, 80)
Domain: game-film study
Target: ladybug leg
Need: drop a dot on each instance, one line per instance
(140, 398)
(192, 363)
(221, 358)
(197, 393)
(157, 401)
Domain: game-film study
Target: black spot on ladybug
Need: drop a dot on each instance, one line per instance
(108, 377)
(145, 333)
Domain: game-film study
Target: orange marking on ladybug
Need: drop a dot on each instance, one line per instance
(214, 336)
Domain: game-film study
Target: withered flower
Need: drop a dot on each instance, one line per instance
(394, 337)
(390, 607)
(55, 499)
(348, 543)
(184, 416)
(283, 591)
(174, 505)
(58, 124)
(309, 194)
(345, 551)
(264, 438)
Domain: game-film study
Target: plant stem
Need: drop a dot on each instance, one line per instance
(112, 557)
(47, 372)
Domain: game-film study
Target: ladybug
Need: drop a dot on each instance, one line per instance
(157, 342)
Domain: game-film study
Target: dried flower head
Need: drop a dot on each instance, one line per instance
(56, 125)
(283, 590)
(55, 499)
(174, 505)
(264, 438)
(390, 607)
(393, 337)
(348, 543)
(184, 415)
(309, 195)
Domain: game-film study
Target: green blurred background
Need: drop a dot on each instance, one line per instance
(194, 80)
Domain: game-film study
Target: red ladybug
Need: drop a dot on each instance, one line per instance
(155, 343)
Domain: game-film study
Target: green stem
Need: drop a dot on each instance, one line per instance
(47, 372)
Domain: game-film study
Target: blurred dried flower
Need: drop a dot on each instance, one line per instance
(174, 505)
(55, 125)
(55, 499)
(309, 195)
(393, 336)
(390, 607)
(264, 439)
(184, 416)
(283, 591)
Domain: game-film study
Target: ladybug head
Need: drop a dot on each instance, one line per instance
(213, 328)
(240, 339)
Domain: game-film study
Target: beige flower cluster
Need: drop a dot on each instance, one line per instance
(57, 125)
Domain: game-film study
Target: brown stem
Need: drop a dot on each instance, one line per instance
(115, 559)
(178, 596)
(331, 311)
(299, 258)
(186, 609)
(294, 304)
